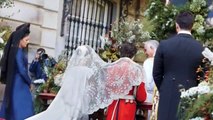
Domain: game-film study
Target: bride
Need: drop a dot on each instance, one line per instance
(89, 83)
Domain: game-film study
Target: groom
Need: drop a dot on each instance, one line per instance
(175, 65)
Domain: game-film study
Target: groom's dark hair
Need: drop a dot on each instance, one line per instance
(185, 20)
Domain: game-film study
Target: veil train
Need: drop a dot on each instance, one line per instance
(89, 83)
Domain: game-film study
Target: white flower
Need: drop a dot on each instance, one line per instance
(58, 79)
(195, 90)
(203, 83)
(103, 42)
(108, 42)
(208, 54)
(212, 114)
(131, 39)
(209, 21)
(1, 34)
(200, 30)
(1, 40)
(197, 118)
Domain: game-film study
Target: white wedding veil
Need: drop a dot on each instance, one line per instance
(109, 81)
(89, 83)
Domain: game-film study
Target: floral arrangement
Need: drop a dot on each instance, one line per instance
(5, 32)
(53, 83)
(129, 31)
(163, 18)
(109, 51)
(196, 102)
(123, 31)
(54, 76)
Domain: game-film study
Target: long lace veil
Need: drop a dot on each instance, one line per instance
(89, 83)
(108, 82)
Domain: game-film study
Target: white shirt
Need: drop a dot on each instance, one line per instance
(184, 32)
(149, 81)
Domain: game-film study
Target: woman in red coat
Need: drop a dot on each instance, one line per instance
(125, 107)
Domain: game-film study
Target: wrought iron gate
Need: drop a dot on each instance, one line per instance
(85, 21)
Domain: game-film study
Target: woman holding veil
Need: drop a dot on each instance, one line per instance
(89, 83)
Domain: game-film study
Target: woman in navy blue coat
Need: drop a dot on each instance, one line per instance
(17, 102)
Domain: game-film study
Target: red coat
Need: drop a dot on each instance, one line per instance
(126, 110)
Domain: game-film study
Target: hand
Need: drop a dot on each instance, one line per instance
(37, 56)
(32, 87)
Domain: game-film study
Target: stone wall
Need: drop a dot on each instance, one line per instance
(44, 16)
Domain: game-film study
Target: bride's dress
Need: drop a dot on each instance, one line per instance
(89, 83)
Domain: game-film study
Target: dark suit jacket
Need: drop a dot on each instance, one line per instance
(175, 65)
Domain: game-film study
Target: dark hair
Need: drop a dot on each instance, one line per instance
(41, 51)
(185, 20)
(127, 50)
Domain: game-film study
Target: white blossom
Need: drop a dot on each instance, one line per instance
(58, 79)
(1, 40)
(208, 54)
(131, 39)
(2, 33)
(195, 90)
(201, 30)
(197, 118)
(212, 114)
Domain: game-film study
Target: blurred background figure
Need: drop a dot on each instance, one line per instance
(150, 48)
(36, 68)
(39, 67)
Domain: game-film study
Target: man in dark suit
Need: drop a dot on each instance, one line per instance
(175, 65)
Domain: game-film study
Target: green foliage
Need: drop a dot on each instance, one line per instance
(124, 31)
(210, 78)
(129, 31)
(109, 54)
(198, 103)
(148, 25)
(164, 19)
(202, 107)
(6, 3)
(39, 105)
(5, 32)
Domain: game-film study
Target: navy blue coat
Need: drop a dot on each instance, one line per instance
(21, 103)
(37, 70)
(175, 65)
